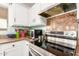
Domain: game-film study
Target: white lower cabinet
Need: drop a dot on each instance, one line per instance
(16, 51)
(20, 48)
(1, 53)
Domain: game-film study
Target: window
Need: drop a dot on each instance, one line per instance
(3, 18)
(3, 23)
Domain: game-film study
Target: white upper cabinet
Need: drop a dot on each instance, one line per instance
(11, 14)
(36, 7)
(35, 18)
(21, 15)
(18, 15)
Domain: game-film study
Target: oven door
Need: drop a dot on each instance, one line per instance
(37, 51)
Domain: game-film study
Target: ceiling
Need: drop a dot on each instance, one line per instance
(28, 4)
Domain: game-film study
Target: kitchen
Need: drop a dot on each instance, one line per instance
(39, 29)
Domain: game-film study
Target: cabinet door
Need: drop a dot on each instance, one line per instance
(21, 15)
(1, 53)
(16, 51)
(11, 15)
(19, 49)
(36, 8)
(17, 15)
(26, 48)
(35, 18)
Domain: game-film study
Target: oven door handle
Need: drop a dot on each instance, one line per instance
(35, 53)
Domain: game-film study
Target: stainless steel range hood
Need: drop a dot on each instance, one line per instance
(61, 8)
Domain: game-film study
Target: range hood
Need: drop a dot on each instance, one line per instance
(61, 8)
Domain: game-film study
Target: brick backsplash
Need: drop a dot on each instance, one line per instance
(65, 22)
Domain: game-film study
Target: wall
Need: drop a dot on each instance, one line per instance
(77, 50)
(3, 32)
(8, 31)
(65, 22)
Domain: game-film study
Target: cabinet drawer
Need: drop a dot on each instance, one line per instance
(5, 46)
(1, 53)
(19, 43)
(14, 44)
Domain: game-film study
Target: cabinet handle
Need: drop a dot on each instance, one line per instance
(14, 19)
(13, 45)
(26, 44)
(4, 53)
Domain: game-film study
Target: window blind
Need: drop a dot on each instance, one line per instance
(3, 18)
(3, 13)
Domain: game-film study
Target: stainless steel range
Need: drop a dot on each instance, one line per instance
(63, 42)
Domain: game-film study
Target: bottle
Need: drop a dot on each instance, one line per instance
(22, 33)
(17, 34)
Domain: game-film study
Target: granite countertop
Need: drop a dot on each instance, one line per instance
(10, 40)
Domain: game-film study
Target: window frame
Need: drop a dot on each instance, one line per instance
(4, 29)
(6, 26)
